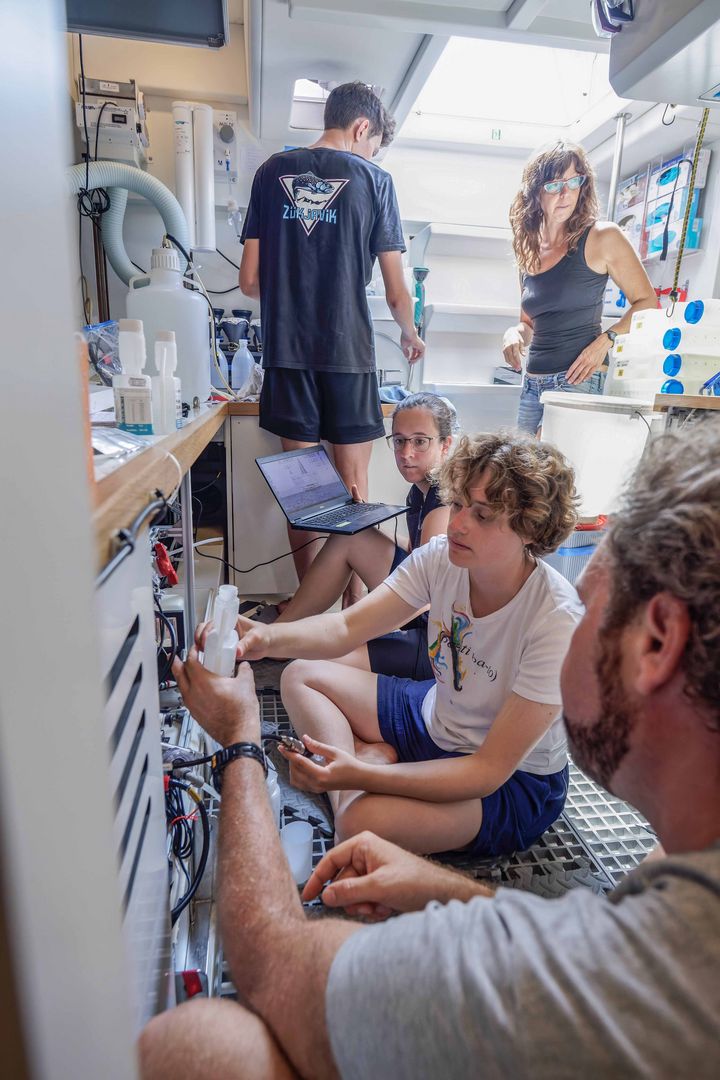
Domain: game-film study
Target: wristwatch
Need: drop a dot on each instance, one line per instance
(223, 757)
(612, 334)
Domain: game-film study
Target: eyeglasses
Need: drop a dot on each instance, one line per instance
(417, 442)
(554, 187)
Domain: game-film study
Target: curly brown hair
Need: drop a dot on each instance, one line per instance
(666, 538)
(526, 214)
(531, 481)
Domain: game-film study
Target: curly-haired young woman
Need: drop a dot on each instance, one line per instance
(565, 256)
(474, 757)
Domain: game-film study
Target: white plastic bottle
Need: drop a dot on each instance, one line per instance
(242, 365)
(133, 403)
(166, 391)
(161, 300)
(219, 379)
(221, 643)
(274, 794)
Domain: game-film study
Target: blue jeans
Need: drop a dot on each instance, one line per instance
(530, 411)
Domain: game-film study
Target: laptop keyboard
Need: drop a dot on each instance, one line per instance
(343, 513)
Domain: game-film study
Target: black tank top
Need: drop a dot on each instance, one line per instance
(565, 304)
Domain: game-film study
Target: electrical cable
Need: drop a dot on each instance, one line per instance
(181, 821)
(92, 204)
(222, 256)
(269, 561)
(128, 537)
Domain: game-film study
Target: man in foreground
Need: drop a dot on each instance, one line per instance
(510, 985)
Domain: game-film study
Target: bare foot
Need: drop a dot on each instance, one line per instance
(379, 753)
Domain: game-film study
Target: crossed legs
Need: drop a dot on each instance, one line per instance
(337, 704)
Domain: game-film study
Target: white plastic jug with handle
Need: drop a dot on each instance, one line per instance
(161, 300)
(242, 366)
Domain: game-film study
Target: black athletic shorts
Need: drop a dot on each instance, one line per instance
(338, 406)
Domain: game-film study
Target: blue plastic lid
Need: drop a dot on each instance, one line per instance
(694, 311)
(672, 364)
(672, 386)
(671, 339)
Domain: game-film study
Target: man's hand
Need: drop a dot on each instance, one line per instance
(226, 707)
(341, 771)
(374, 878)
(413, 346)
(513, 348)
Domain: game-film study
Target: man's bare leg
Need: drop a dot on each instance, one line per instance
(299, 537)
(213, 1038)
(368, 553)
(352, 461)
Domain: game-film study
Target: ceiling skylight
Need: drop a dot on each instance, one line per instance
(478, 83)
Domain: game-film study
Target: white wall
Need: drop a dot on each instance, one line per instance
(453, 186)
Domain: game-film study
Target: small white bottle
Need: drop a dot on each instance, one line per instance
(133, 402)
(273, 790)
(221, 644)
(166, 392)
(242, 365)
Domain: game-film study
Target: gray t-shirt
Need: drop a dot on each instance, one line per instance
(520, 986)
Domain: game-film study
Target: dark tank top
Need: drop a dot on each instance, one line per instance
(565, 304)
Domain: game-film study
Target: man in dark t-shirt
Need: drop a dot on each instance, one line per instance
(318, 218)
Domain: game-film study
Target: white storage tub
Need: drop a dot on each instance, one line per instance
(483, 407)
(602, 437)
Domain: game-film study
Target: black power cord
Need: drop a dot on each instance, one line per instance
(182, 837)
(269, 561)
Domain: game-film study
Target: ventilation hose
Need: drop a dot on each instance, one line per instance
(118, 178)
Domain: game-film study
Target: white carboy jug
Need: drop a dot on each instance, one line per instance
(163, 303)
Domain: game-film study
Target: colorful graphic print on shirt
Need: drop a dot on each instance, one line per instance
(310, 198)
(449, 644)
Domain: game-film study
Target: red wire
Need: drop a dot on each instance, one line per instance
(183, 817)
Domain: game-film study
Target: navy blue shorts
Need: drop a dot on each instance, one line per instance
(402, 652)
(515, 816)
(342, 407)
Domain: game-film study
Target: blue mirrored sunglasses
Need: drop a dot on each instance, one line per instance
(554, 187)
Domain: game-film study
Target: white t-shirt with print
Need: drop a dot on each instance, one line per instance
(478, 663)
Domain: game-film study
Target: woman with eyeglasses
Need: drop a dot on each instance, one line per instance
(422, 429)
(565, 256)
(475, 757)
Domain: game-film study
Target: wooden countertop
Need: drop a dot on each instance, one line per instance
(122, 493)
(663, 402)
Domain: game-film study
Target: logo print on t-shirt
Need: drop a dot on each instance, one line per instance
(454, 639)
(310, 198)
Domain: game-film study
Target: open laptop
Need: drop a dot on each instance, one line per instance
(312, 495)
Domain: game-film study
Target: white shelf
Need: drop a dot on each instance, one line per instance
(470, 318)
(462, 241)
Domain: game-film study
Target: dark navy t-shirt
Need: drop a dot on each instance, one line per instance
(418, 508)
(321, 217)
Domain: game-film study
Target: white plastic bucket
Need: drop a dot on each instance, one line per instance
(602, 437)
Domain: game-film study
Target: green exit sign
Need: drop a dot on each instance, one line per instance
(496, 134)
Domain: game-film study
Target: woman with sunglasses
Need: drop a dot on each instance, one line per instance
(422, 429)
(565, 256)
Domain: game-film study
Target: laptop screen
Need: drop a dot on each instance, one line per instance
(303, 480)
